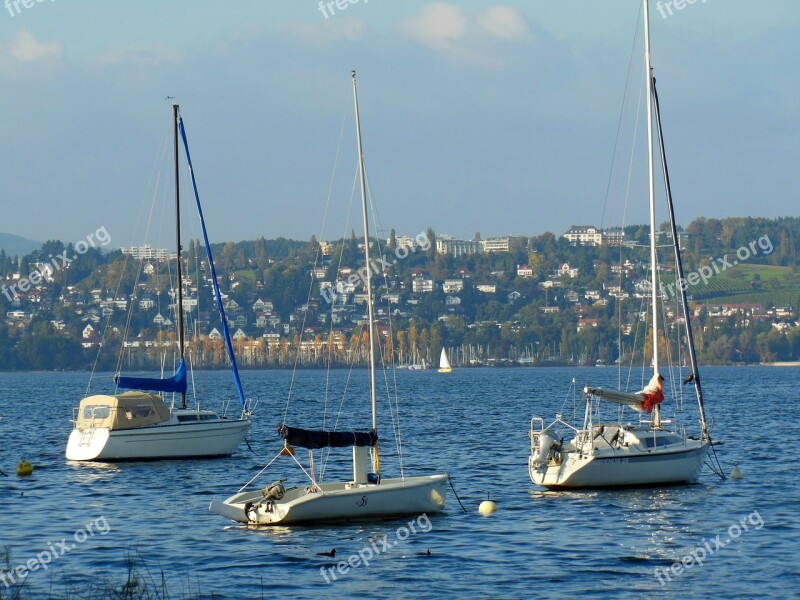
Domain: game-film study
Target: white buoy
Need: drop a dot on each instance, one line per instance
(487, 507)
(736, 473)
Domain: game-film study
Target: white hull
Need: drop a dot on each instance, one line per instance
(169, 440)
(622, 467)
(338, 502)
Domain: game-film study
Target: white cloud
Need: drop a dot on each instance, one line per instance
(25, 48)
(141, 55)
(439, 25)
(504, 22)
(464, 36)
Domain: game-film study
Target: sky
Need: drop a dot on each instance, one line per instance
(514, 117)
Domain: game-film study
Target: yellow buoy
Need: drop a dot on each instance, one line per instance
(287, 450)
(487, 507)
(736, 473)
(24, 468)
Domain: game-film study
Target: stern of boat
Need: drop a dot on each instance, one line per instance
(87, 443)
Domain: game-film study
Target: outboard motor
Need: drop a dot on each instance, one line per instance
(274, 491)
(545, 442)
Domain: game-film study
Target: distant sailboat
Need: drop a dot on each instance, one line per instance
(444, 363)
(138, 425)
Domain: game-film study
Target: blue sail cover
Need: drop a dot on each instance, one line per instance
(175, 384)
(225, 330)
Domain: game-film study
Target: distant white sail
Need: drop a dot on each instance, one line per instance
(444, 363)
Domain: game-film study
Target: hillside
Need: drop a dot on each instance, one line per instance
(522, 300)
(14, 245)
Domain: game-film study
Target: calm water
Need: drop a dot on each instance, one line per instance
(473, 423)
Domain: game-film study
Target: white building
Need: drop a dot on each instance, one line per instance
(422, 285)
(455, 247)
(147, 252)
(496, 244)
(452, 286)
(584, 235)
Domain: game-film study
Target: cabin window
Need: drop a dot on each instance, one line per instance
(142, 411)
(661, 440)
(185, 418)
(95, 411)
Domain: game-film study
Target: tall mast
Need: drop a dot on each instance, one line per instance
(373, 398)
(652, 187)
(179, 309)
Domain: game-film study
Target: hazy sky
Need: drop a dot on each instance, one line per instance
(498, 117)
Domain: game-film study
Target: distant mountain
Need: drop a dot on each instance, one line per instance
(17, 246)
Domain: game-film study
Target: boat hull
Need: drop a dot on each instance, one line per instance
(339, 502)
(189, 440)
(622, 469)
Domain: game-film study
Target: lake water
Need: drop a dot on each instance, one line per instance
(474, 424)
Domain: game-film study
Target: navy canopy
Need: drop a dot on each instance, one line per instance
(312, 439)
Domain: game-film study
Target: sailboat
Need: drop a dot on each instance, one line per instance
(653, 451)
(138, 424)
(368, 495)
(444, 363)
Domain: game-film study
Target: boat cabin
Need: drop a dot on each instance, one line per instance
(123, 411)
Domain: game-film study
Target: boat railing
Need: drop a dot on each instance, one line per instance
(559, 422)
(246, 411)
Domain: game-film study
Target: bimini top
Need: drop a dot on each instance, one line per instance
(123, 411)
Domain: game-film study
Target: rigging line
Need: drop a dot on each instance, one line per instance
(155, 173)
(319, 250)
(310, 291)
(626, 204)
(621, 113)
(327, 452)
(394, 420)
(394, 410)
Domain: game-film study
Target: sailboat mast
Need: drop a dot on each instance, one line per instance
(652, 187)
(179, 307)
(368, 267)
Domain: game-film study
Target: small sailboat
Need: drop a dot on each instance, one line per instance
(138, 424)
(368, 495)
(653, 451)
(444, 363)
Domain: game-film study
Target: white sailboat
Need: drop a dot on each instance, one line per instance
(139, 425)
(444, 363)
(368, 494)
(653, 451)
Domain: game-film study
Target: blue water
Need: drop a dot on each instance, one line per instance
(473, 423)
